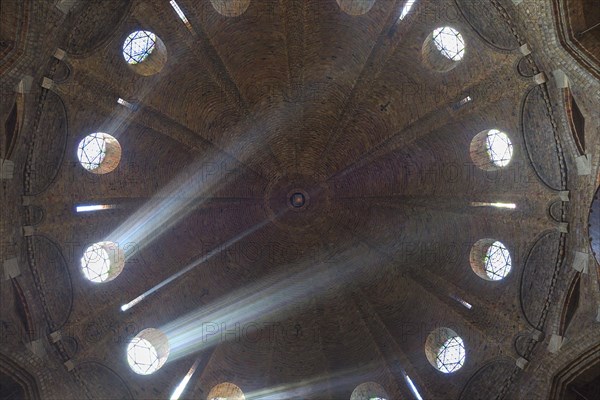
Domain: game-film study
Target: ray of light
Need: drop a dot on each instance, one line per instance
(173, 202)
(93, 207)
(463, 302)
(181, 387)
(497, 205)
(315, 386)
(179, 12)
(270, 298)
(193, 264)
(407, 7)
(413, 388)
(188, 190)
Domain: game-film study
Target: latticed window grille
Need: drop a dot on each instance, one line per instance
(449, 42)
(498, 147)
(451, 355)
(497, 262)
(92, 150)
(148, 351)
(142, 356)
(138, 46)
(95, 263)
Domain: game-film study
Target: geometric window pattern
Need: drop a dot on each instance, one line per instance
(451, 355)
(449, 42)
(92, 150)
(497, 262)
(138, 46)
(369, 391)
(142, 356)
(95, 262)
(498, 147)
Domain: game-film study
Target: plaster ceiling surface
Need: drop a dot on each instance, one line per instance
(295, 97)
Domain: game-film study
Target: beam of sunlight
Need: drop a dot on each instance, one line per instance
(269, 298)
(406, 9)
(179, 12)
(463, 302)
(93, 207)
(413, 388)
(497, 205)
(188, 190)
(173, 202)
(315, 386)
(181, 387)
(193, 265)
(181, 15)
(124, 103)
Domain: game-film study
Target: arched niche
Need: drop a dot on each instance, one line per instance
(536, 278)
(104, 382)
(92, 24)
(55, 280)
(579, 376)
(17, 381)
(483, 384)
(49, 145)
(538, 134)
(579, 32)
(488, 22)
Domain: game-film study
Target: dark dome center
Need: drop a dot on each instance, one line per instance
(297, 200)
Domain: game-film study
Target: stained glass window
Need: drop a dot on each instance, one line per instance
(451, 355)
(498, 147)
(497, 261)
(138, 46)
(449, 42)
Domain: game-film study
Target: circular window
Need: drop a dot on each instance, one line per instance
(490, 259)
(230, 8)
(355, 7)
(138, 46)
(445, 350)
(369, 391)
(99, 153)
(491, 150)
(449, 42)
(443, 49)
(148, 351)
(144, 52)
(226, 391)
(102, 261)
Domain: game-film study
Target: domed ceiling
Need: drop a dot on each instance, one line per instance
(298, 199)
